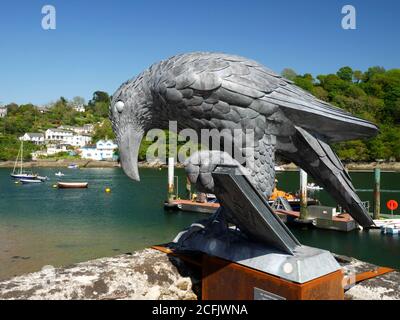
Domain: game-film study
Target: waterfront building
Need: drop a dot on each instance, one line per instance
(68, 137)
(85, 129)
(56, 148)
(78, 140)
(36, 138)
(57, 135)
(103, 150)
(52, 149)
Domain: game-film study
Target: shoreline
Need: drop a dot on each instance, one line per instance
(64, 163)
(82, 163)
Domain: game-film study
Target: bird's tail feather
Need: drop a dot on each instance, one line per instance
(317, 159)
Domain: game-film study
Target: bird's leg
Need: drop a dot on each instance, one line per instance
(263, 166)
(199, 168)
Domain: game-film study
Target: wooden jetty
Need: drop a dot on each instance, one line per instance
(192, 206)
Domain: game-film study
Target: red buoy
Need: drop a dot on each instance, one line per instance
(392, 205)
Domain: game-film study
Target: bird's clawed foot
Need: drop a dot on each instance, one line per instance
(199, 168)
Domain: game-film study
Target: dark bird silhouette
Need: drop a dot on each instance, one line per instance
(220, 91)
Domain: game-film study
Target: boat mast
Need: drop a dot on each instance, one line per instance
(22, 154)
(16, 160)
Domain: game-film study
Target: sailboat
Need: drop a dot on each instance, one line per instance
(18, 172)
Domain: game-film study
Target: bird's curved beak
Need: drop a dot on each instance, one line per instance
(128, 145)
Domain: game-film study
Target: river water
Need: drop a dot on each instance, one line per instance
(41, 225)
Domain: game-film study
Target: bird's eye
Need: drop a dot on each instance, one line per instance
(119, 106)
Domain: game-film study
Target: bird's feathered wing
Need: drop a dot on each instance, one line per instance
(206, 82)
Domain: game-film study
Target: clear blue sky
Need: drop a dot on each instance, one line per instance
(99, 44)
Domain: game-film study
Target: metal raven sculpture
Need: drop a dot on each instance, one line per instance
(220, 91)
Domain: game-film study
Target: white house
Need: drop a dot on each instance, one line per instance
(43, 109)
(3, 112)
(104, 150)
(61, 135)
(51, 150)
(85, 129)
(54, 149)
(57, 135)
(88, 128)
(36, 138)
(79, 108)
(78, 140)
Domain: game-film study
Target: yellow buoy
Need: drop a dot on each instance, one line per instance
(54, 186)
(108, 190)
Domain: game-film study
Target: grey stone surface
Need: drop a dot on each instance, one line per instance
(146, 274)
(246, 95)
(150, 274)
(383, 287)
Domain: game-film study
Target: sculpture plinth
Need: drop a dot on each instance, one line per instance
(224, 280)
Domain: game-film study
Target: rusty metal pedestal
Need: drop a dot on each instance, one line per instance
(224, 280)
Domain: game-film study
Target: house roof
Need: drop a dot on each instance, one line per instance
(83, 128)
(89, 146)
(105, 141)
(60, 130)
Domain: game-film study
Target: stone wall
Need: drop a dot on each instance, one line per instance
(146, 274)
(151, 274)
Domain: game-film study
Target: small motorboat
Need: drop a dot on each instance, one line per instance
(26, 181)
(314, 187)
(59, 174)
(43, 179)
(72, 185)
(73, 166)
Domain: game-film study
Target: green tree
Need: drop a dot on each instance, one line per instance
(289, 74)
(305, 82)
(99, 104)
(345, 73)
(358, 76)
(103, 130)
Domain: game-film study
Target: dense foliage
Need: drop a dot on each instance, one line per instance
(373, 95)
(29, 118)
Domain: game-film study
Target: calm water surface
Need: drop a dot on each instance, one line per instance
(41, 225)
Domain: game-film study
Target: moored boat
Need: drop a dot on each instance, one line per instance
(72, 185)
(314, 187)
(26, 181)
(18, 172)
(23, 175)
